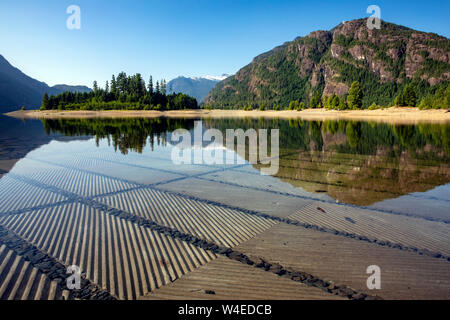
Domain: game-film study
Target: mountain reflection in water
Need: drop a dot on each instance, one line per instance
(353, 162)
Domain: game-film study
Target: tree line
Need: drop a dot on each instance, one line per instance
(353, 100)
(122, 93)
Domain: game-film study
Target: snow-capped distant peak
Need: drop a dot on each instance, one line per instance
(214, 78)
(218, 78)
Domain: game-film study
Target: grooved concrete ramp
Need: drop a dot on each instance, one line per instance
(20, 281)
(215, 223)
(409, 231)
(123, 258)
(232, 280)
(140, 227)
(17, 195)
(404, 275)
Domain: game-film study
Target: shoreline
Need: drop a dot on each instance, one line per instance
(398, 115)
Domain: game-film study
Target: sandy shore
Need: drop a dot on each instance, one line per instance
(391, 115)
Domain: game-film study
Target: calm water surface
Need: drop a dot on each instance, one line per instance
(403, 169)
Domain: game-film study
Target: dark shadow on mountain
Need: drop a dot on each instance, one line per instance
(19, 137)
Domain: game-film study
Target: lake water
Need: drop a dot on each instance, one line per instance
(398, 168)
(60, 177)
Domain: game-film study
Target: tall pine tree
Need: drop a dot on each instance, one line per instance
(355, 96)
(95, 87)
(315, 100)
(113, 85)
(150, 85)
(163, 86)
(44, 105)
(409, 96)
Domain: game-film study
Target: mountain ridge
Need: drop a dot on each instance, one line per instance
(383, 61)
(72, 88)
(20, 90)
(197, 87)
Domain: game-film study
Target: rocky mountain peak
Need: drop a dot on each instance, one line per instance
(382, 60)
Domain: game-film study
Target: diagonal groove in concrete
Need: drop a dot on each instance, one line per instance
(51, 267)
(294, 275)
(94, 203)
(200, 176)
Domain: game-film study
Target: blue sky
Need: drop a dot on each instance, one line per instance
(167, 38)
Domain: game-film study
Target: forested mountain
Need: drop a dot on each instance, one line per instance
(197, 87)
(326, 63)
(17, 89)
(67, 88)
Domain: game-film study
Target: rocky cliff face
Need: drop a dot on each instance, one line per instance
(383, 61)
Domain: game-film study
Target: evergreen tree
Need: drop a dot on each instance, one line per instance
(137, 85)
(441, 99)
(355, 96)
(335, 101)
(315, 100)
(157, 87)
(113, 85)
(342, 105)
(427, 102)
(409, 96)
(122, 83)
(440, 95)
(44, 105)
(95, 86)
(447, 97)
(399, 100)
(107, 87)
(326, 101)
(150, 85)
(293, 105)
(163, 86)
